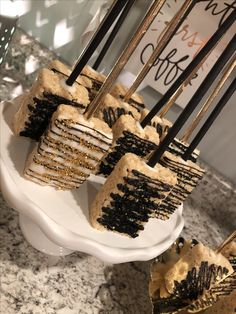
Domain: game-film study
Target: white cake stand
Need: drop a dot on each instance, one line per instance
(56, 222)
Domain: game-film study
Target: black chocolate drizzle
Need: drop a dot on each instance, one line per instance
(135, 104)
(128, 143)
(135, 203)
(186, 176)
(110, 115)
(223, 289)
(191, 288)
(177, 148)
(41, 113)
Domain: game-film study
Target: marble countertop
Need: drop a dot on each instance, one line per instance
(32, 282)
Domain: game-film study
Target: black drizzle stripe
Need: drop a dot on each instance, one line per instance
(75, 138)
(86, 132)
(134, 103)
(53, 178)
(40, 113)
(138, 198)
(180, 149)
(186, 172)
(61, 100)
(169, 205)
(197, 282)
(128, 143)
(159, 128)
(110, 115)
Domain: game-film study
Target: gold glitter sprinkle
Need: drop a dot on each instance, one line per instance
(59, 168)
(77, 160)
(67, 135)
(65, 147)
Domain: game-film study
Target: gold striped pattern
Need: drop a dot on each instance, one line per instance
(67, 154)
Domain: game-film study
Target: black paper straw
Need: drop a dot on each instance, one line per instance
(114, 31)
(206, 126)
(194, 101)
(96, 40)
(189, 69)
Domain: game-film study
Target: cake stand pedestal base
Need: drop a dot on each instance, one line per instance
(38, 239)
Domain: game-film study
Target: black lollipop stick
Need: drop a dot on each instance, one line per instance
(190, 68)
(194, 101)
(206, 126)
(114, 31)
(96, 40)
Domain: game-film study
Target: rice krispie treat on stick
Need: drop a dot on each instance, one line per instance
(136, 100)
(69, 151)
(184, 273)
(177, 147)
(47, 92)
(64, 71)
(128, 137)
(111, 109)
(95, 77)
(218, 295)
(188, 174)
(162, 125)
(130, 196)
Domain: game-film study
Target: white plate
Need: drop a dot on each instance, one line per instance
(63, 215)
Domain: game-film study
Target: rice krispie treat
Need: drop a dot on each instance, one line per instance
(128, 137)
(136, 100)
(218, 295)
(69, 151)
(111, 109)
(47, 92)
(95, 77)
(162, 125)
(188, 174)
(130, 195)
(185, 273)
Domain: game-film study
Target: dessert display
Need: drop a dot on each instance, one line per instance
(149, 171)
(192, 278)
(130, 196)
(69, 150)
